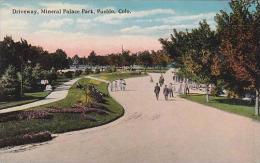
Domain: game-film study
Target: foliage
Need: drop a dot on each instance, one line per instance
(51, 75)
(97, 71)
(88, 71)
(17, 53)
(68, 74)
(78, 72)
(240, 47)
(10, 83)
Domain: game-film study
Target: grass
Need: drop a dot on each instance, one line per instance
(118, 75)
(64, 122)
(28, 98)
(32, 97)
(236, 106)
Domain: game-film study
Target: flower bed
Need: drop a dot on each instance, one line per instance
(77, 109)
(26, 139)
(22, 115)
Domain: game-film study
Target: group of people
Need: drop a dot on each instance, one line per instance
(118, 85)
(167, 90)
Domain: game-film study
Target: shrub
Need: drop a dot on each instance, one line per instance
(51, 75)
(88, 71)
(26, 139)
(77, 72)
(68, 74)
(97, 71)
(111, 69)
(25, 115)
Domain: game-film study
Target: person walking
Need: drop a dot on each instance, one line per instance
(161, 80)
(170, 90)
(116, 85)
(123, 84)
(166, 92)
(112, 86)
(157, 91)
(120, 84)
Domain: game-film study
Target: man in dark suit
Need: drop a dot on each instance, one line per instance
(166, 92)
(157, 90)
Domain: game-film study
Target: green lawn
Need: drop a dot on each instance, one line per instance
(28, 98)
(64, 122)
(223, 103)
(32, 97)
(118, 75)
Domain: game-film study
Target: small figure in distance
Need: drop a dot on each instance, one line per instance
(112, 86)
(166, 92)
(161, 80)
(157, 91)
(123, 84)
(170, 90)
(115, 85)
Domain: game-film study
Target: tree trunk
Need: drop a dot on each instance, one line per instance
(207, 93)
(257, 101)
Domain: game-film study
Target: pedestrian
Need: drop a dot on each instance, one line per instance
(157, 91)
(170, 90)
(161, 80)
(123, 84)
(166, 92)
(112, 86)
(120, 84)
(115, 85)
(186, 88)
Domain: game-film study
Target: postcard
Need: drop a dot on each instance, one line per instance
(109, 81)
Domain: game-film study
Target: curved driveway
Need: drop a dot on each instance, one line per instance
(152, 132)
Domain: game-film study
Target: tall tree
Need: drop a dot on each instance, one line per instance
(240, 43)
(10, 83)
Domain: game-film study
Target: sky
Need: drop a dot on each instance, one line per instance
(80, 33)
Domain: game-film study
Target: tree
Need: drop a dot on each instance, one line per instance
(28, 78)
(198, 60)
(37, 76)
(145, 59)
(240, 44)
(6, 53)
(92, 58)
(10, 83)
(59, 59)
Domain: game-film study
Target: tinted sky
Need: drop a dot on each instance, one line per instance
(104, 33)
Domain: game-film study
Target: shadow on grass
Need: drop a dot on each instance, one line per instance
(235, 102)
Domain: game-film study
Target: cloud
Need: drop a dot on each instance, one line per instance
(117, 18)
(196, 18)
(84, 24)
(157, 29)
(13, 27)
(56, 23)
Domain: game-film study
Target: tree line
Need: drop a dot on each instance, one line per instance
(227, 57)
(125, 58)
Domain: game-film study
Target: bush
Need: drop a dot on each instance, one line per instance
(111, 69)
(77, 72)
(68, 74)
(25, 115)
(51, 75)
(26, 139)
(88, 71)
(97, 71)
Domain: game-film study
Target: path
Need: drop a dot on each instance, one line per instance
(58, 94)
(152, 131)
